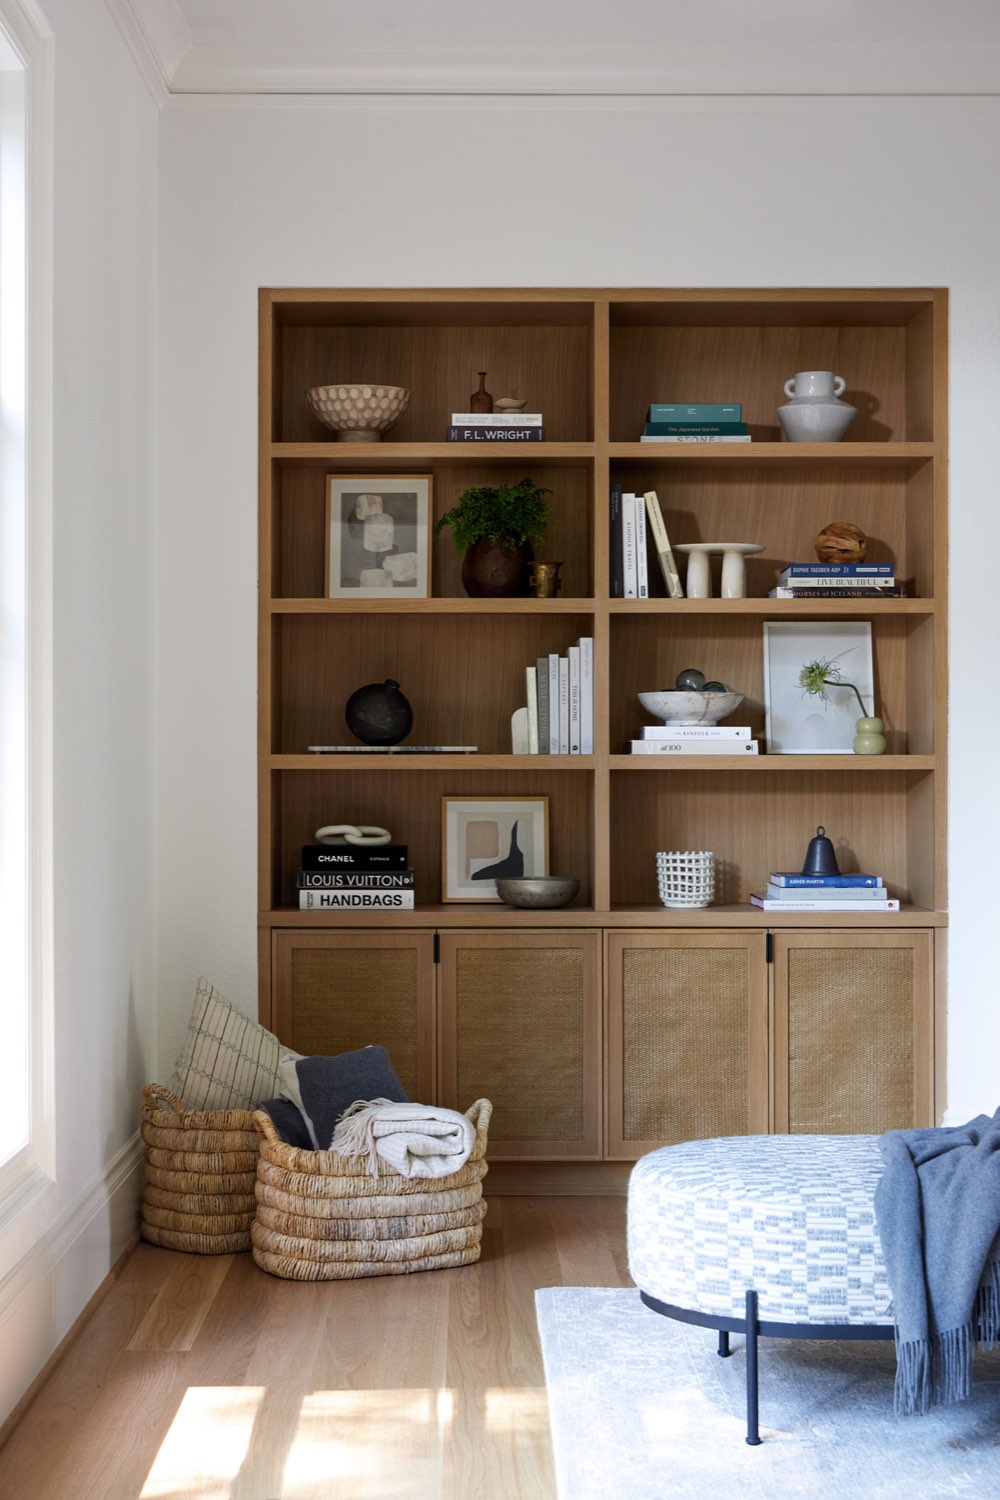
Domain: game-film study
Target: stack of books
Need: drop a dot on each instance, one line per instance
(695, 739)
(838, 581)
(695, 422)
(496, 427)
(631, 547)
(560, 701)
(789, 891)
(355, 877)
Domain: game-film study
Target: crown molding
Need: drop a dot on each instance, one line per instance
(158, 38)
(626, 70)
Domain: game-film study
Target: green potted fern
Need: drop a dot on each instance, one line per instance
(495, 529)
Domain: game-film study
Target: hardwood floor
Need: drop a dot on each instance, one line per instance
(203, 1378)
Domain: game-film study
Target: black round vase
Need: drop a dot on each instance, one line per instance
(493, 572)
(379, 714)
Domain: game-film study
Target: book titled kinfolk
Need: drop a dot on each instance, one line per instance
(696, 731)
(353, 900)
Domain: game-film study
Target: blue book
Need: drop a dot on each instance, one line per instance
(795, 881)
(682, 429)
(838, 570)
(696, 411)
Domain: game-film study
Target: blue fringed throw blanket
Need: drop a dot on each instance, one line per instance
(937, 1206)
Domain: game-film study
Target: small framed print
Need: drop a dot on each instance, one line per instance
(487, 837)
(378, 542)
(798, 723)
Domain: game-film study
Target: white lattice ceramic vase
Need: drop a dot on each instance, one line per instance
(686, 879)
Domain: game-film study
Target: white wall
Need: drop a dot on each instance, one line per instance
(435, 193)
(57, 1253)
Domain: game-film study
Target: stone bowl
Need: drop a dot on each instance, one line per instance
(359, 413)
(685, 707)
(537, 892)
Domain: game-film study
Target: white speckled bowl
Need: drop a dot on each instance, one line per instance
(359, 413)
(679, 707)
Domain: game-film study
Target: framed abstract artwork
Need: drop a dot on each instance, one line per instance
(483, 838)
(378, 542)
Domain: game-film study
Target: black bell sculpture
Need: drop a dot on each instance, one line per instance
(821, 858)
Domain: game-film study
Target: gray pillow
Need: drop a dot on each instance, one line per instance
(321, 1088)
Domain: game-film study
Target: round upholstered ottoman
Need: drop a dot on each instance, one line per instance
(762, 1235)
(791, 1216)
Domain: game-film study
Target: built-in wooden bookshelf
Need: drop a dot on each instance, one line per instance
(591, 361)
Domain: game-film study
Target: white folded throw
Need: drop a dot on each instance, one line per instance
(419, 1140)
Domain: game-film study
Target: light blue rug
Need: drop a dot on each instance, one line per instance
(643, 1408)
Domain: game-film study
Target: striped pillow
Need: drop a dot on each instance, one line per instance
(227, 1061)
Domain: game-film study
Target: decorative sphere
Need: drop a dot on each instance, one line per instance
(379, 714)
(715, 687)
(841, 542)
(690, 680)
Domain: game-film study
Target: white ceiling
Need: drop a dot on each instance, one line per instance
(567, 46)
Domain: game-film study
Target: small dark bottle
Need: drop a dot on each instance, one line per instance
(481, 400)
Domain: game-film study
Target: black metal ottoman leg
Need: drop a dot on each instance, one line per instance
(753, 1435)
(724, 1349)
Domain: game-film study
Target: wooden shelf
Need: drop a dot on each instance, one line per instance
(591, 360)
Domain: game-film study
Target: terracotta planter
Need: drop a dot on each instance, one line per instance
(492, 572)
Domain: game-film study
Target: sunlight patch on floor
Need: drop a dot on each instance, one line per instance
(206, 1443)
(513, 1411)
(364, 1443)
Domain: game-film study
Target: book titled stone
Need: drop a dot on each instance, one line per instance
(356, 900)
(355, 880)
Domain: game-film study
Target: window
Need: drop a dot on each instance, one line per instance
(25, 602)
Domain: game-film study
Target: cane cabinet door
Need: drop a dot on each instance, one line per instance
(336, 991)
(686, 1037)
(520, 1025)
(853, 1039)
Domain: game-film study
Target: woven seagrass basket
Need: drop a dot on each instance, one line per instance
(201, 1166)
(319, 1219)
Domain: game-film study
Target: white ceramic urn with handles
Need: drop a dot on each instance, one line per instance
(815, 413)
